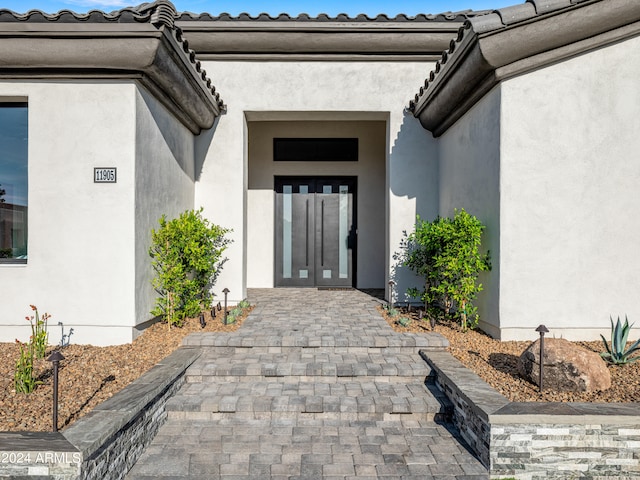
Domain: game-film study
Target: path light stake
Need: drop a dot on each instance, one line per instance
(391, 285)
(226, 292)
(432, 322)
(55, 358)
(202, 322)
(542, 329)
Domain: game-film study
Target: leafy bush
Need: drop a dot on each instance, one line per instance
(446, 254)
(187, 257)
(618, 353)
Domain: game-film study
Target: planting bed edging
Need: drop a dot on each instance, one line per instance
(106, 442)
(537, 440)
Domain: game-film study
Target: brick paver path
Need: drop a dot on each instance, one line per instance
(314, 385)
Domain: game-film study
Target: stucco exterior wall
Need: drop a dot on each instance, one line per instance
(330, 91)
(164, 184)
(470, 179)
(80, 265)
(569, 192)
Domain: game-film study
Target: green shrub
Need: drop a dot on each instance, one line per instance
(618, 353)
(187, 257)
(446, 254)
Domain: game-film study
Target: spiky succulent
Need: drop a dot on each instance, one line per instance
(618, 353)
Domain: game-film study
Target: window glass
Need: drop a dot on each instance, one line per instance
(13, 182)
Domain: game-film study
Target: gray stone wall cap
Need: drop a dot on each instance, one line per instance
(560, 413)
(35, 442)
(478, 394)
(89, 432)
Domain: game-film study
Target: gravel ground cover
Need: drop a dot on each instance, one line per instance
(89, 375)
(495, 362)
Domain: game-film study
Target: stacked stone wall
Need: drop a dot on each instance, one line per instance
(537, 440)
(108, 441)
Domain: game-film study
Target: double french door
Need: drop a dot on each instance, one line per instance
(315, 231)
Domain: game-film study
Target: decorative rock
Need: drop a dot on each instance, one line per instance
(567, 366)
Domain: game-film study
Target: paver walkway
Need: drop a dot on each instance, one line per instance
(314, 385)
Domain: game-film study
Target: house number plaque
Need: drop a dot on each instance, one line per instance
(104, 175)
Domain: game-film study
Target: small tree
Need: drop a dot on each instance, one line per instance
(446, 253)
(187, 257)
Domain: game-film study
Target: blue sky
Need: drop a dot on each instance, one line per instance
(234, 7)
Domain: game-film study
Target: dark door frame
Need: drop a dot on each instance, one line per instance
(352, 180)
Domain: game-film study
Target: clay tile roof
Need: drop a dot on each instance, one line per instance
(303, 17)
(597, 17)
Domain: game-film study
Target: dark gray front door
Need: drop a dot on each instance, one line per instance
(315, 231)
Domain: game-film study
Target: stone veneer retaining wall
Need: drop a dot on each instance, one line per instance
(105, 443)
(536, 440)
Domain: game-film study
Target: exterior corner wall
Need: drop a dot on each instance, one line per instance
(413, 183)
(570, 172)
(81, 233)
(470, 179)
(220, 192)
(164, 185)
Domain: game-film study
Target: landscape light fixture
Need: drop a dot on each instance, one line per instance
(226, 292)
(542, 329)
(55, 357)
(391, 285)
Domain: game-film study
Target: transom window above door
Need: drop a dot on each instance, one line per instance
(315, 149)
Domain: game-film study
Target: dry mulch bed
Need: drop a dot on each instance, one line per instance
(89, 375)
(495, 362)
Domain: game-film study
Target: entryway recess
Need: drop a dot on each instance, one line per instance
(315, 235)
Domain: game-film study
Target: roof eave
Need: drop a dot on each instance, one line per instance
(251, 40)
(482, 60)
(149, 55)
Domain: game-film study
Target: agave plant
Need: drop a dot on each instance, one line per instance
(617, 353)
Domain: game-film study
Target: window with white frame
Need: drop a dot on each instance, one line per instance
(13, 182)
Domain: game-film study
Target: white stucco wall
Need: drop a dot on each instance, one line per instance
(312, 91)
(569, 192)
(370, 170)
(80, 246)
(165, 176)
(470, 179)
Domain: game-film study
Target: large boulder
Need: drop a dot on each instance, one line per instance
(567, 366)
